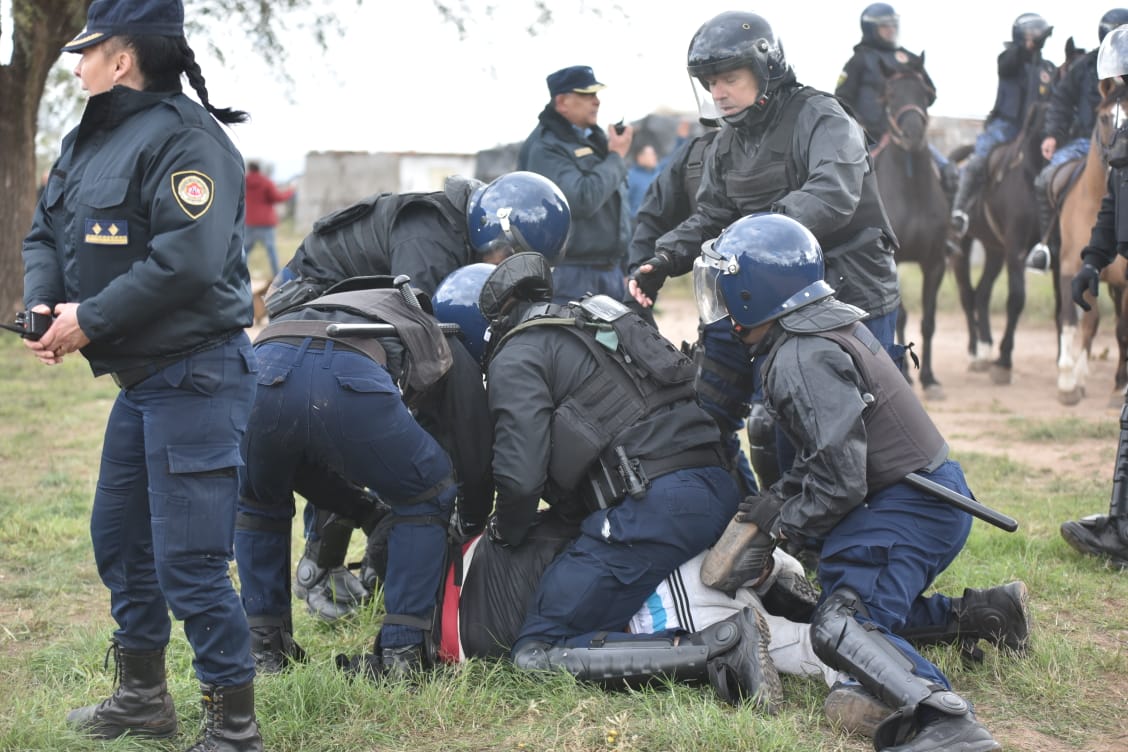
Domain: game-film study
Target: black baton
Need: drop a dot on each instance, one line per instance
(959, 501)
(379, 330)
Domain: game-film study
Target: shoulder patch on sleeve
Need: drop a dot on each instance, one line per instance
(193, 191)
(841, 78)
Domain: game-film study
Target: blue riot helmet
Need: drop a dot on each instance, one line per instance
(730, 41)
(522, 212)
(1033, 25)
(762, 266)
(1112, 19)
(873, 18)
(456, 302)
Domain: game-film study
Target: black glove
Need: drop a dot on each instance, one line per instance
(494, 534)
(1087, 279)
(462, 529)
(651, 282)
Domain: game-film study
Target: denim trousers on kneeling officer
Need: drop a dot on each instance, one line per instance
(858, 430)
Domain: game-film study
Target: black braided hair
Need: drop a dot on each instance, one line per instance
(162, 60)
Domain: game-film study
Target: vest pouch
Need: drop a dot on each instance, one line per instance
(584, 425)
(653, 354)
(291, 294)
(758, 189)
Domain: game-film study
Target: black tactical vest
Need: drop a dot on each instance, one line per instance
(638, 372)
(901, 437)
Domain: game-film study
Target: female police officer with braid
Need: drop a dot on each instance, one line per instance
(137, 250)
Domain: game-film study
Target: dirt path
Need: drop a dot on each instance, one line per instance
(978, 416)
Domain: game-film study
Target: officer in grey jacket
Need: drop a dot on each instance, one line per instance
(569, 148)
(784, 148)
(859, 431)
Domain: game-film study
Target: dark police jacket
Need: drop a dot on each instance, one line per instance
(854, 420)
(422, 235)
(1024, 80)
(1074, 100)
(862, 84)
(1109, 235)
(593, 179)
(535, 372)
(805, 158)
(141, 223)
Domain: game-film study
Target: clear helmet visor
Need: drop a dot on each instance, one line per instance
(1112, 59)
(707, 270)
(706, 107)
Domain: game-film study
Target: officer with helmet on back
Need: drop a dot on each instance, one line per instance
(1107, 535)
(1069, 126)
(859, 430)
(594, 412)
(311, 429)
(1024, 80)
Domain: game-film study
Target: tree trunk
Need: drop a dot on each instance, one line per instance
(41, 27)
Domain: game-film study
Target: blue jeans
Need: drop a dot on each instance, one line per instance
(890, 550)
(164, 509)
(264, 235)
(329, 423)
(995, 132)
(605, 575)
(1078, 148)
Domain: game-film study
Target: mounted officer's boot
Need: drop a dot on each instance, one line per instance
(272, 644)
(1100, 535)
(972, 178)
(229, 720)
(997, 615)
(1039, 259)
(950, 181)
(928, 717)
(329, 589)
(140, 705)
(732, 655)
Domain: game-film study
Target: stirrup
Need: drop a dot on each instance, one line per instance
(1038, 260)
(959, 223)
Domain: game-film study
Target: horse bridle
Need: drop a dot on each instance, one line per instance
(896, 134)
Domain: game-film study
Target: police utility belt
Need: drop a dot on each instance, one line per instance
(616, 476)
(127, 378)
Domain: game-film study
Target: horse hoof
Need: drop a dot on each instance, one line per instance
(1000, 375)
(1070, 397)
(934, 393)
(979, 366)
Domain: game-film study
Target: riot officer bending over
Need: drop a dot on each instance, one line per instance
(859, 431)
(1098, 534)
(425, 236)
(594, 412)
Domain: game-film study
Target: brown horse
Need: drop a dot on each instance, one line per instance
(1004, 220)
(1078, 213)
(914, 197)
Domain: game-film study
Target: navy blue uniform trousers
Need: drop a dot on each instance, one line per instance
(623, 553)
(324, 419)
(164, 508)
(890, 550)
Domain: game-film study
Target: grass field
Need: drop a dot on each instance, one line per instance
(1067, 694)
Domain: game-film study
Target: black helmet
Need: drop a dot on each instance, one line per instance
(521, 277)
(731, 41)
(1112, 19)
(875, 15)
(1033, 24)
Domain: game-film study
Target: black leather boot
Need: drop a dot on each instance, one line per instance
(998, 615)
(141, 704)
(229, 720)
(272, 644)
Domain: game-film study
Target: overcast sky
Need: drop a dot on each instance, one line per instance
(400, 79)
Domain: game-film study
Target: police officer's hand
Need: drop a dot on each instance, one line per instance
(1086, 280)
(494, 534)
(1049, 146)
(462, 529)
(620, 143)
(645, 282)
(756, 561)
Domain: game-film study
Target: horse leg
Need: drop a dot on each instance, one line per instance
(1069, 391)
(961, 270)
(992, 265)
(1122, 351)
(902, 316)
(933, 275)
(1016, 301)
